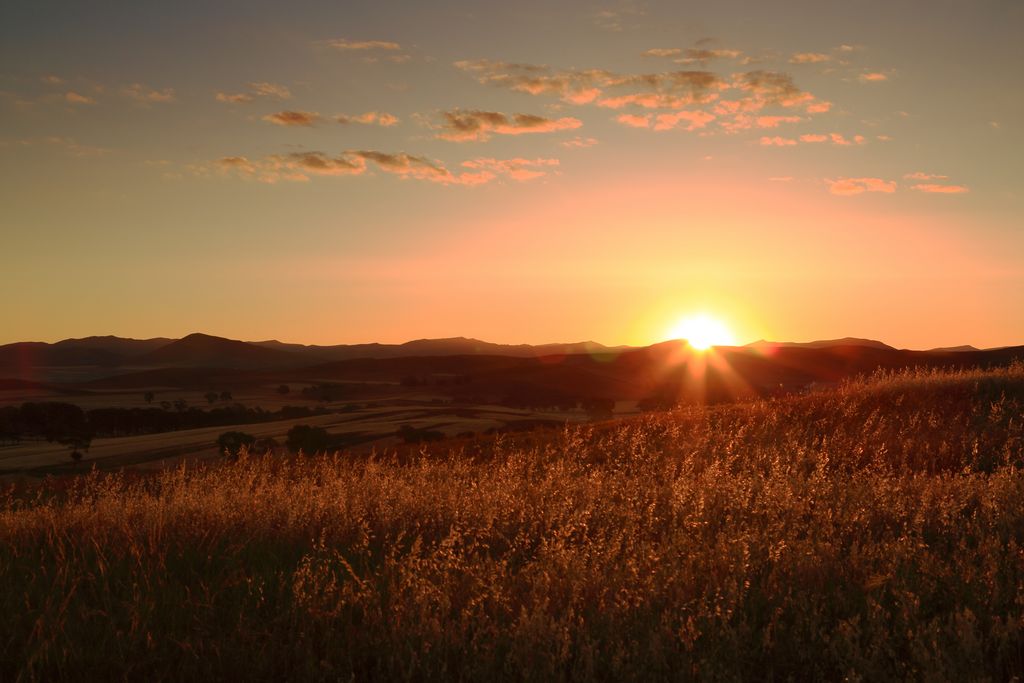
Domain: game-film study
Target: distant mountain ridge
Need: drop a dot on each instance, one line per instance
(204, 350)
(110, 353)
(450, 346)
(824, 344)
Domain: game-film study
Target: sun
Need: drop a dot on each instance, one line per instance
(702, 331)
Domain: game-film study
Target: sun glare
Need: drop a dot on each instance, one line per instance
(702, 332)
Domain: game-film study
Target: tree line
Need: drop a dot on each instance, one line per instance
(65, 422)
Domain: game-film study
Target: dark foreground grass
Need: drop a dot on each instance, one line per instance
(871, 532)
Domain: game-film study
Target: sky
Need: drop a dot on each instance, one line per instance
(530, 172)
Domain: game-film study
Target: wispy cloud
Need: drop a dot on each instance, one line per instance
(51, 79)
(233, 98)
(855, 186)
(873, 77)
(777, 141)
(476, 125)
(363, 45)
(775, 121)
(518, 169)
(921, 175)
(634, 120)
(274, 91)
(377, 118)
(809, 58)
(293, 118)
(147, 95)
(77, 98)
(693, 55)
(579, 143)
(619, 17)
(933, 188)
(302, 166)
(686, 120)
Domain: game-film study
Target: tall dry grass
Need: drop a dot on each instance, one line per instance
(871, 532)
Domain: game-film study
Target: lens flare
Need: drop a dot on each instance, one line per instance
(702, 331)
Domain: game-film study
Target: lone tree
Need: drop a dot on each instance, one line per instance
(284, 389)
(308, 439)
(211, 397)
(149, 396)
(225, 395)
(231, 444)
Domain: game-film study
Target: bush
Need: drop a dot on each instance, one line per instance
(308, 439)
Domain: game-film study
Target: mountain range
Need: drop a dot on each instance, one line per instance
(460, 367)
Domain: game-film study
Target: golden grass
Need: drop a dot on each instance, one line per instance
(871, 532)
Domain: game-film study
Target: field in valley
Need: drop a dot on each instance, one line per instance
(866, 532)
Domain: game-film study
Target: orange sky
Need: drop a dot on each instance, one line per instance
(355, 173)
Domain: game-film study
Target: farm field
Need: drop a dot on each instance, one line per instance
(367, 428)
(872, 531)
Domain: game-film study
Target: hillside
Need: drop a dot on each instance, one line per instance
(203, 350)
(867, 532)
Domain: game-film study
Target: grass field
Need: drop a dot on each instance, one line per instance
(869, 532)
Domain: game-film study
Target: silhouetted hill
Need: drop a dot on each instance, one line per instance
(203, 350)
(453, 346)
(128, 348)
(821, 344)
(103, 351)
(955, 349)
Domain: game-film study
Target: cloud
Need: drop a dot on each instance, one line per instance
(302, 166)
(920, 175)
(773, 86)
(293, 118)
(774, 121)
(146, 95)
(694, 99)
(615, 18)
(834, 138)
(75, 98)
(693, 120)
(701, 56)
(233, 98)
(579, 142)
(873, 77)
(777, 141)
(663, 52)
(809, 58)
(518, 169)
(932, 188)
(634, 121)
(577, 87)
(781, 179)
(378, 118)
(362, 45)
(51, 79)
(853, 186)
(273, 91)
(475, 125)
(692, 55)
(672, 89)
